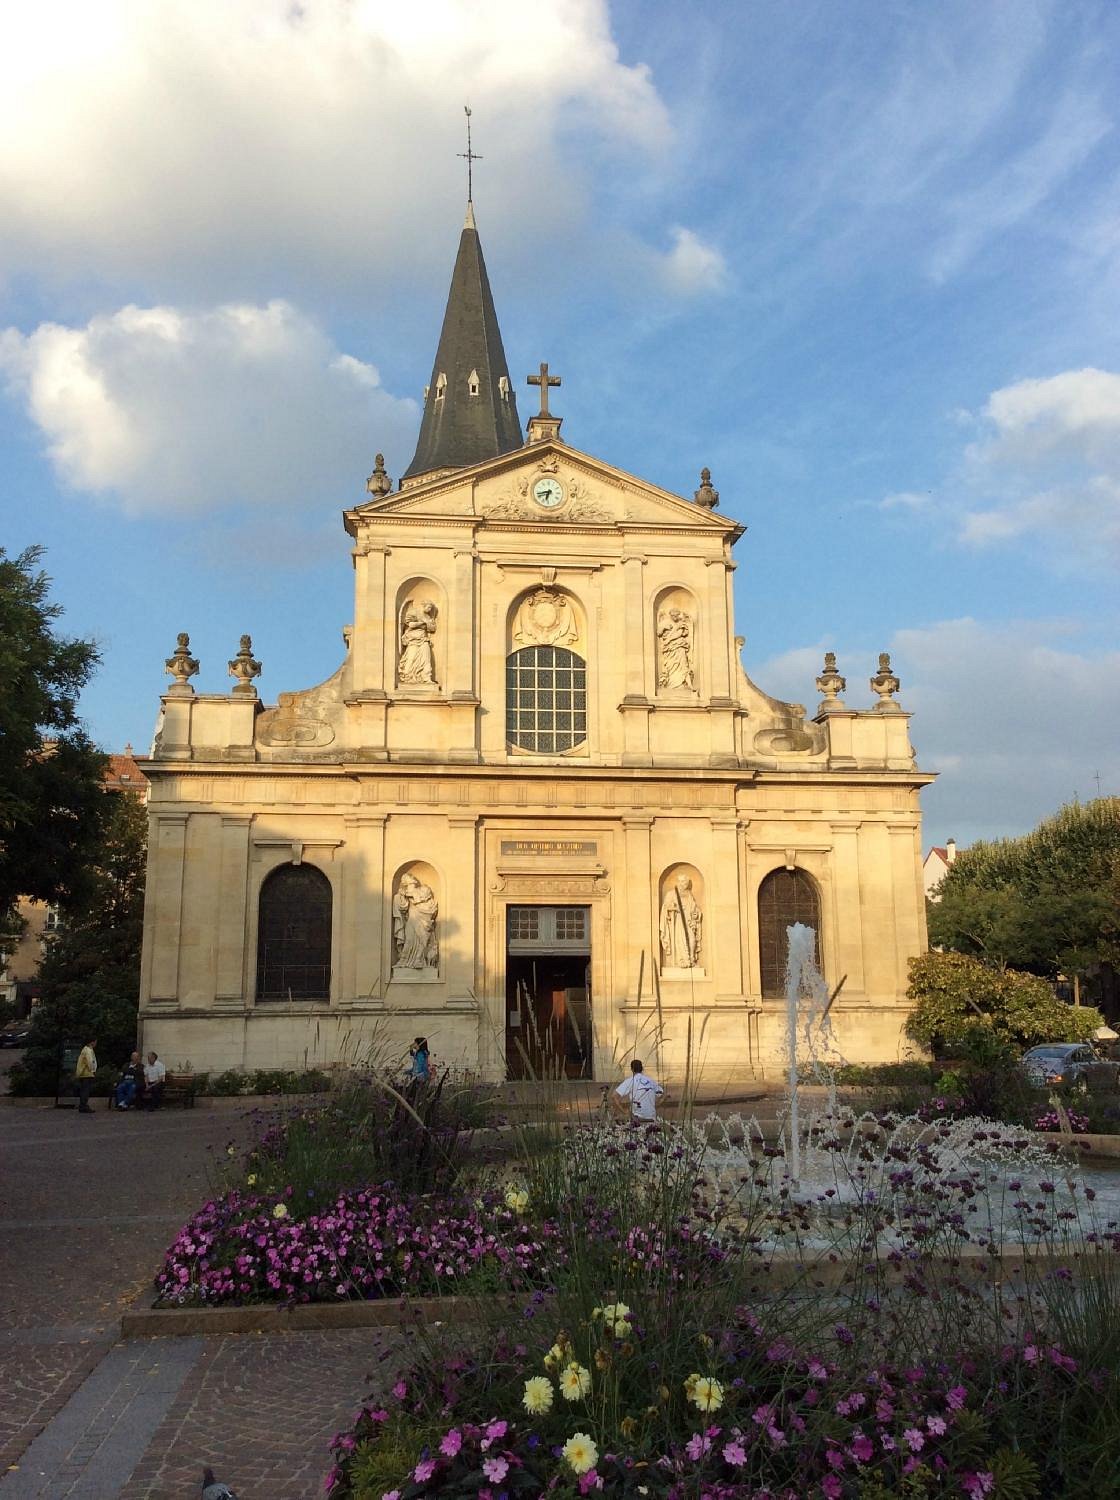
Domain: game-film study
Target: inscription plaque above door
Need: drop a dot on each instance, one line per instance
(549, 846)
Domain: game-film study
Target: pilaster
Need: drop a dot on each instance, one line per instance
(725, 953)
(847, 916)
(232, 924)
(364, 905)
(169, 836)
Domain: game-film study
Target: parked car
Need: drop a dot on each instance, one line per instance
(1073, 1064)
(15, 1034)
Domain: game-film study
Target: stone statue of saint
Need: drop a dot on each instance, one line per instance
(674, 649)
(415, 910)
(681, 920)
(418, 625)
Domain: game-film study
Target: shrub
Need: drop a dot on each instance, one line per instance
(961, 1002)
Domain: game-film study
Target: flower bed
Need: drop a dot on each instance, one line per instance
(243, 1248)
(757, 1419)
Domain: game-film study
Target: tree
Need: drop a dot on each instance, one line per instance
(51, 802)
(90, 976)
(1047, 902)
(957, 998)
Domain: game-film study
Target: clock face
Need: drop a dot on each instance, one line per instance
(548, 492)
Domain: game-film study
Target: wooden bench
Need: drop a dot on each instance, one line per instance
(178, 1088)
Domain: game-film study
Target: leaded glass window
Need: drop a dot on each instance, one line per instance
(294, 935)
(784, 897)
(546, 699)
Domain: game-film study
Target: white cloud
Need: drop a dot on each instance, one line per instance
(1014, 718)
(907, 500)
(199, 144)
(162, 411)
(1048, 466)
(692, 266)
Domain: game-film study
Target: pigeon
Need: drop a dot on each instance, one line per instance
(214, 1489)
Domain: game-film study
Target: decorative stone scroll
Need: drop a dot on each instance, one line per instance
(417, 662)
(415, 928)
(676, 665)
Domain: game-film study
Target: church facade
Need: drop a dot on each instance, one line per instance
(540, 814)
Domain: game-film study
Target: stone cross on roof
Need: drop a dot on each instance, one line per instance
(544, 380)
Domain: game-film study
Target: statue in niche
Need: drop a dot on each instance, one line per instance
(681, 921)
(415, 912)
(417, 662)
(675, 667)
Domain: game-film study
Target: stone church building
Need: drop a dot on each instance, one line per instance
(540, 813)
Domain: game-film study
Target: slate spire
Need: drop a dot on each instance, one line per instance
(470, 410)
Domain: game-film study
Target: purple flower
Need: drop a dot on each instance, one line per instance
(495, 1469)
(451, 1443)
(424, 1470)
(915, 1439)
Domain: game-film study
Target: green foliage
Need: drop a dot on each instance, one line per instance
(91, 972)
(234, 1083)
(51, 803)
(1016, 1476)
(1046, 902)
(887, 1075)
(960, 1002)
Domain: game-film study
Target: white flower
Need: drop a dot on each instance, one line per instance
(580, 1452)
(704, 1392)
(517, 1199)
(575, 1382)
(280, 1211)
(538, 1395)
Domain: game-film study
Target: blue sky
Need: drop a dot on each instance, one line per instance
(862, 259)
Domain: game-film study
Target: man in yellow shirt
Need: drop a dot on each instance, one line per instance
(85, 1073)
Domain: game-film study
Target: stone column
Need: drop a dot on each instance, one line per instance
(364, 903)
(461, 628)
(847, 924)
(723, 940)
(370, 623)
(909, 898)
(719, 631)
(877, 916)
(165, 876)
(639, 931)
(638, 668)
(232, 916)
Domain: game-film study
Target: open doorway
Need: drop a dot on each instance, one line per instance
(548, 992)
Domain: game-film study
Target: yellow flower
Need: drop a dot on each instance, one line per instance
(663, 1392)
(628, 1427)
(280, 1211)
(575, 1382)
(517, 1199)
(252, 1179)
(538, 1395)
(580, 1452)
(706, 1393)
(553, 1357)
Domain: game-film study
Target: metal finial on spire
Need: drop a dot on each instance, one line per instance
(469, 156)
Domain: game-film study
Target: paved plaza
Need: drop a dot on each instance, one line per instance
(87, 1206)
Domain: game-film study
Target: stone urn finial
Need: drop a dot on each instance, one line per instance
(379, 484)
(886, 684)
(706, 495)
(182, 666)
(830, 685)
(244, 668)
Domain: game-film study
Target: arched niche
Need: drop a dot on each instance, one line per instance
(546, 672)
(676, 642)
(681, 922)
(415, 927)
(420, 643)
(785, 896)
(294, 917)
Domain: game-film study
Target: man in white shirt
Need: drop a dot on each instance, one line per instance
(640, 1091)
(154, 1074)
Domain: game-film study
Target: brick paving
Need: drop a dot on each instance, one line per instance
(260, 1410)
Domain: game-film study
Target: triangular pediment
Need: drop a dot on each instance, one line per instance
(545, 484)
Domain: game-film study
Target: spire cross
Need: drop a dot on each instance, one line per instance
(469, 156)
(544, 380)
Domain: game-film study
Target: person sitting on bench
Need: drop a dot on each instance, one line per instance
(154, 1075)
(129, 1084)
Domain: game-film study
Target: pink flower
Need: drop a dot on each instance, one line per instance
(451, 1443)
(1030, 1355)
(697, 1446)
(956, 1398)
(734, 1454)
(832, 1486)
(978, 1484)
(400, 1390)
(494, 1430)
(495, 1469)
(915, 1439)
(424, 1470)
(936, 1425)
(862, 1448)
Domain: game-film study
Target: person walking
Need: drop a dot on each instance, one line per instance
(85, 1073)
(640, 1091)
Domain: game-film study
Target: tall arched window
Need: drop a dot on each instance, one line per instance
(546, 699)
(784, 897)
(294, 935)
